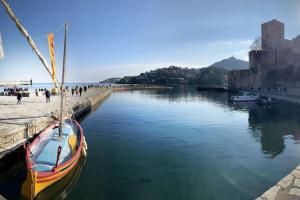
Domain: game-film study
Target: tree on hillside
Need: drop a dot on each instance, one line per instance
(256, 44)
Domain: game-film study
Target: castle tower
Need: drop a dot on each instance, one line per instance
(272, 34)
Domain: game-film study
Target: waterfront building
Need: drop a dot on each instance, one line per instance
(273, 68)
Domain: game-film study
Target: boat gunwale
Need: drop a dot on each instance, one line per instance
(62, 166)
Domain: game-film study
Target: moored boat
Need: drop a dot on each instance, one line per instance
(244, 97)
(51, 156)
(58, 148)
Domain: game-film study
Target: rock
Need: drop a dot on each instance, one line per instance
(297, 183)
(259, 198)
(295, 191)
(271, 193)
(296, 173)
(286, 181)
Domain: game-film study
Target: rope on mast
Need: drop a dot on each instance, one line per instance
(32, 44)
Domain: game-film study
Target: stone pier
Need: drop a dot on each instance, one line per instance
(20, 122)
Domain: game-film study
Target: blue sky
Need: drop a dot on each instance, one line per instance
(126, 37)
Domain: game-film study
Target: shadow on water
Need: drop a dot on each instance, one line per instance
(12, 174)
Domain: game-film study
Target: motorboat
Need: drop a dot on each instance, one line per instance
(244, 97)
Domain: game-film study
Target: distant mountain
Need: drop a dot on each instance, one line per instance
(111, 80)
(231, 64)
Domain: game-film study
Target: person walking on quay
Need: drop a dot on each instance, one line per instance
(72, 91)
(19, 97)
(84, 88)
(36, 92)
(80, 91)
(47, 94)
(76, 90)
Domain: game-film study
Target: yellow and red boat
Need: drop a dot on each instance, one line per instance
(51, 155)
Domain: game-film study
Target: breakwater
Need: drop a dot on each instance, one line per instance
(13, 83)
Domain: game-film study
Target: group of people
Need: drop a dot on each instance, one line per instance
(77, 90)
(47, 95)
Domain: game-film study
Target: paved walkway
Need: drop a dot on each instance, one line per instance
(15, 117)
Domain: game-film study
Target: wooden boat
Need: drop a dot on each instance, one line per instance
(52, 156)
(57, 149)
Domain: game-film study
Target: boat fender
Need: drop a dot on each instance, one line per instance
(83, 152)
(85, 144)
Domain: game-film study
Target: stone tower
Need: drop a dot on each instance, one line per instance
(272, 34)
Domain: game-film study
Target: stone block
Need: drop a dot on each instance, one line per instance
(296, 173)
(297, 183)
(271, 193)
(295, 191)
(286, 181)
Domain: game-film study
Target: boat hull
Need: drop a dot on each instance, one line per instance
(37, 181)
(244, 99)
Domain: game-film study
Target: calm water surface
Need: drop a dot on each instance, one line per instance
(181, 144)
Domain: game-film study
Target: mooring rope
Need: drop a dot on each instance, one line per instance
(45, 35)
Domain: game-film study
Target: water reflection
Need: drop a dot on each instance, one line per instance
(272, 123)
(268, 125)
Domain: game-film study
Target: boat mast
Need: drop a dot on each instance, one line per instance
(63, 82)
(30, 41)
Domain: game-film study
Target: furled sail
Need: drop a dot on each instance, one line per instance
(52, 56)
(1, 49)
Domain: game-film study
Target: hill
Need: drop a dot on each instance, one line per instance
(111, 80)
(215, 74)
(231, 64)
(178, 75)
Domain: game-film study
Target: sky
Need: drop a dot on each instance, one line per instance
(116, 38)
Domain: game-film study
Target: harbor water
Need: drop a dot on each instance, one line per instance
(178, 144)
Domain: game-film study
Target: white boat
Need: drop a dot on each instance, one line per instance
(244, 97)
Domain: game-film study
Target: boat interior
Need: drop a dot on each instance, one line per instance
(44, 153)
